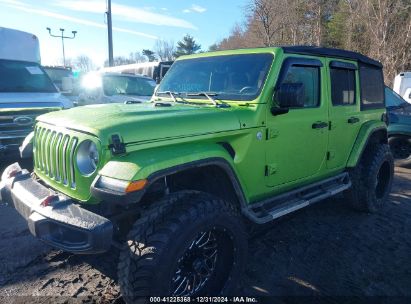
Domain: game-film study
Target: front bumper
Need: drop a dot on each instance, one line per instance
(60, 222)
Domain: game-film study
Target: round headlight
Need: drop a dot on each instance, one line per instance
(87, 157)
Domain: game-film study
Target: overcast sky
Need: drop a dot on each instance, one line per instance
(136, 24)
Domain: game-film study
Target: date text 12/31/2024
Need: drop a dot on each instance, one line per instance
(203, 300)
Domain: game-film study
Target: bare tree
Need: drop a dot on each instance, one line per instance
(387, 30)
(262, 19)
(84, 63)
(165, 49)
(380, 29)
(137, 57)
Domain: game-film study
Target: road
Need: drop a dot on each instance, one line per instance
(324, 250)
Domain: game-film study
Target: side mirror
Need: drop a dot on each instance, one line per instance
(290, 95)
(67, 84)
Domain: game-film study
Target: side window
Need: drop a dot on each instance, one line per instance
(372, 87)
(342, 86)
(300, 87)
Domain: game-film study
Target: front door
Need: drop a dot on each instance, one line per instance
(297, 140)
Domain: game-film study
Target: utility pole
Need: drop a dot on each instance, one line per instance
(62, 40)
(110, 34)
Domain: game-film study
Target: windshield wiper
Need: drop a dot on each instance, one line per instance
(172, 94)
(209, 95)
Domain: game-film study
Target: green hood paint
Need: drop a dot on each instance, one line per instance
(146, 122)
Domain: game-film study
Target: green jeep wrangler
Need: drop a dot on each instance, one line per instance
(230, 138)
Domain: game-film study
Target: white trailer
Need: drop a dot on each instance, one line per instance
(402, 85)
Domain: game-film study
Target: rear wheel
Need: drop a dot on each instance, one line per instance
(401, 150)
(371, 179)
(194, 244)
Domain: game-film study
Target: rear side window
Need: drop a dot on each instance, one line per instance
(342, 86)
(372, 87)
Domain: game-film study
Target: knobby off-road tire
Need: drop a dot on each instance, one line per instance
(401, 150)
(188, 236)
(371, 179)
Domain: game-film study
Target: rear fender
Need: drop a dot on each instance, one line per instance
(368, 131)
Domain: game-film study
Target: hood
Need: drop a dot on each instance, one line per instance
(124, 98)
(145, 122)
(400, 115)
(29, 100)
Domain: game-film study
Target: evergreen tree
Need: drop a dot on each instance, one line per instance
(187, 46)
(149, 54)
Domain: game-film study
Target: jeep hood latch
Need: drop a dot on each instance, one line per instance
(117, 146)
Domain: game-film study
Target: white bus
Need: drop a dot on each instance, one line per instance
(155, 70)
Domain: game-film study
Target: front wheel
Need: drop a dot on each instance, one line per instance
(195, 245)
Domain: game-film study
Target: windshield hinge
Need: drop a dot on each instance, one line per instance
(117, 146)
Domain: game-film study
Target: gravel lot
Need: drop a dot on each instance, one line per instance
(324, 250)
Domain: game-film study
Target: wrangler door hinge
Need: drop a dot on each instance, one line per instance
(270, 169)
(272, 133)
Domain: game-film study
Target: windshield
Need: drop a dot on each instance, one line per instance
(392, 99)
(125, 85)
(232, 77)
(57, 74)
(22, 76)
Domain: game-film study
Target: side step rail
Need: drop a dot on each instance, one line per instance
(294, 200)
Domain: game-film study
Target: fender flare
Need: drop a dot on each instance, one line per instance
(134, 167)
(363, 140)
(217, 161)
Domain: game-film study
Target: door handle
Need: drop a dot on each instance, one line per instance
(353, 120)
(320, 125)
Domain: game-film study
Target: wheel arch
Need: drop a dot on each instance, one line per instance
(181, 164)
(214, 175)
(371, 132)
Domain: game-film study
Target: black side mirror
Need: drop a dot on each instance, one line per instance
(279, 111)
(290, 95)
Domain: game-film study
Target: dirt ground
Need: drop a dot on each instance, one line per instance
(324, 250)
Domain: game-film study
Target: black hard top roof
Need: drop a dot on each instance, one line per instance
(338, 53)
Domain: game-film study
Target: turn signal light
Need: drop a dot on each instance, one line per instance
(136, 185)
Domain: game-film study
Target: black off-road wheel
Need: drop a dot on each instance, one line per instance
(401, 149)
(371, 179)
(190, 244)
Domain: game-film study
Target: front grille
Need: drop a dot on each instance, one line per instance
(18, 123)
(54, 155)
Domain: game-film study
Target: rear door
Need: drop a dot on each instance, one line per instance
(344, 111)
